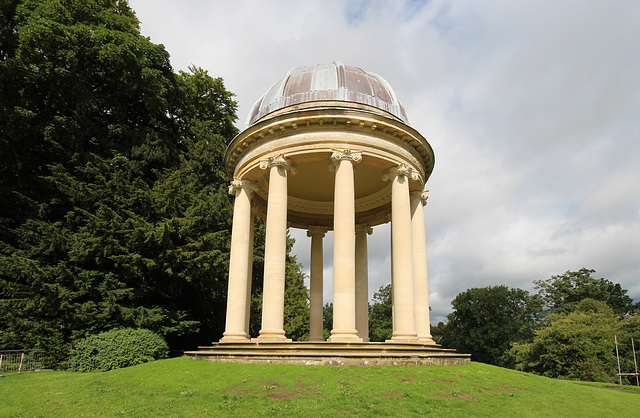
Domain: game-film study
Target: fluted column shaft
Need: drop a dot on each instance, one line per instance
(362, 282)
(344, 274)
(275, 248)
(315, 284)
(420, 278)
(239, 286)
(404, 325)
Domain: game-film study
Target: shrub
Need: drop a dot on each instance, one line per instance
(117, 348)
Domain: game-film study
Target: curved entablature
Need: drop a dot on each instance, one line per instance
(290, 129)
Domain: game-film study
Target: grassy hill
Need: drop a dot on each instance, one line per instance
(185, 387)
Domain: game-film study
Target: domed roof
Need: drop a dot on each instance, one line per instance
(332, 82)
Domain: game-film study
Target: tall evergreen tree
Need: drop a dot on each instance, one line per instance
(116, 210)
(115, 207)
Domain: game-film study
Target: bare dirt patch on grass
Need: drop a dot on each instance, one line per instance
(405, 378)
(392, 395)
(273, 390)
(500, 389)
(461, 396)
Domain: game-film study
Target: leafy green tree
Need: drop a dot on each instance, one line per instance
(115, 206)
(327, 320)
(562, 293)
(486, 321)
(576, 345)
(115, 209)
(438, 331)
(381, 315)
(296, 300)
(628, 342)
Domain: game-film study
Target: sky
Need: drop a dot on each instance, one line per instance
(532, 109)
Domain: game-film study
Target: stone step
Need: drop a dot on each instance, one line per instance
(330, 353)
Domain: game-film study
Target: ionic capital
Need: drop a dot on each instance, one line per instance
(355, 156)
(237, 184)
(317, 230)
(401, 170)
(364, 228)
(423, 195)
(279, 161)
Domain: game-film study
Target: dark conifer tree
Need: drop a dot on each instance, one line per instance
(115, 209)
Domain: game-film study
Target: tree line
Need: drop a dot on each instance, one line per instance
(567, 329)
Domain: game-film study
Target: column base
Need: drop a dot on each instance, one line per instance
(271, 335)
(271, 340)
(316, 339)
(233, 337)
(426, 339)
(402, 336)
(344, 336)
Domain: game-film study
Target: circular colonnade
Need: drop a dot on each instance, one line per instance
(329, 147)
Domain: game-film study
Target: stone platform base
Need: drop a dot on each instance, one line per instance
(330, 353)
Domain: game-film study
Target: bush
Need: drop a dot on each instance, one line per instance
(117, 348)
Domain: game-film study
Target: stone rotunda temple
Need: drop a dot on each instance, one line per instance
(329, 148)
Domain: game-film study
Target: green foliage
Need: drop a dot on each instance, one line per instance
(629, 330)
(296, 301)
(115, 206)
(380, 315)
(562, 293)
(438, 331)
(327, 320)
(573, 338)
(117, 348)
(486, 321)
(578, 345)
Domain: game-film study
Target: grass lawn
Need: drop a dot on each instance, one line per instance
(184, 387)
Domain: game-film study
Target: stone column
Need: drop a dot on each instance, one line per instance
(315, 283)
(362, 282)
(393, 308)
(239, 273)
(404, 324)
(344, 265)
(275, 248)
(423, 326)
(250, 275)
